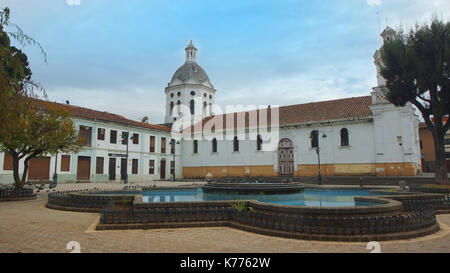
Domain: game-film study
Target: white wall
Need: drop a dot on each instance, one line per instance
(185, 98)
(360, 150)
(101, 148)
(391, 122)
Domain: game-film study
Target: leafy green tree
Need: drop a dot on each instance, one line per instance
(29, 127)
(14, 66)
(416, 68)
(37, 129)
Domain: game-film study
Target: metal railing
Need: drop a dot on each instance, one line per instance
(275, 221)
(12, 192)
(421, 204)
(422, 188)
(88, 201)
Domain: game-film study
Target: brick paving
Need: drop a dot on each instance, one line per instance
(27, 226)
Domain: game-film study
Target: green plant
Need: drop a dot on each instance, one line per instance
(124, 200)
(241, 206)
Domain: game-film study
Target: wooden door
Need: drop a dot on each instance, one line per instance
(112, 169)
(39, 168)
(84, 168)
(163, 169)
(285, 157)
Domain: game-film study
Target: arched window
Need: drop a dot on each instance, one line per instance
(258, 143)
(171, 107)
(210, 109)
(236, 144)
(204, 106)
(314, 139)
(344, 137)
(195, 146)
(178, 107)
(192, 105)
(214, 145)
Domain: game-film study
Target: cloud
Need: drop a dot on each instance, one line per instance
(373, 2)
(132, 103)
(325, 82)
(284, 54)
(73, 2)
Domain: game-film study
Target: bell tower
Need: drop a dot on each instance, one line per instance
(378, 91)
(189, 95)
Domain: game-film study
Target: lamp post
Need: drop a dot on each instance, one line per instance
(126, 165)
(55, 175)
(174, 142)
(313, 133)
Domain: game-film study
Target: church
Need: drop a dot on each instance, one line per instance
(350, 136)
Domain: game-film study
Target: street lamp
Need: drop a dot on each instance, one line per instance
(173, 143)
(125, 137)
(315, 133)
(55, 175)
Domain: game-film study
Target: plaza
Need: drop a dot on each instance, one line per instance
(287, 127)
(28, 226)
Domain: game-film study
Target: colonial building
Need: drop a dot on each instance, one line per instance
(351, 136)
(151, 152)
(427, 151)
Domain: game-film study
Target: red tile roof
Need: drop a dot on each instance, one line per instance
(355, 107)
(86, 113)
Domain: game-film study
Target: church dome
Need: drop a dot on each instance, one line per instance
(190, 72)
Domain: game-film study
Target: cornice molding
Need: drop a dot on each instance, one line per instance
(182, 86)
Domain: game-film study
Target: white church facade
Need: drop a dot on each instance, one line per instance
(352, 136)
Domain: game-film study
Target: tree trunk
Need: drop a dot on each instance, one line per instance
(441, 176)
(25, 170)
(17, 180)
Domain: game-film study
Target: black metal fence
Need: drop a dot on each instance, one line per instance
(275, 221)
(427, 189)
(89, 201)
(12, 192)
(423, 204)
(244, 180)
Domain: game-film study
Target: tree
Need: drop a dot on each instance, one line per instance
(416, 68)
(29, 127)
(14, 67)
(38, 128)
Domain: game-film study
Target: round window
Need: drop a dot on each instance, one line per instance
(192, 93)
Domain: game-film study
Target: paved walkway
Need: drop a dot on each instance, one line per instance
(28, 226)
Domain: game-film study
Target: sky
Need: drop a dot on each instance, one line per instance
(119, 55)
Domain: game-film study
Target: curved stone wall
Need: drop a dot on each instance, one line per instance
(397, 216)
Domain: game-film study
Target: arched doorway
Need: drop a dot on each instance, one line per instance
(285, 157)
